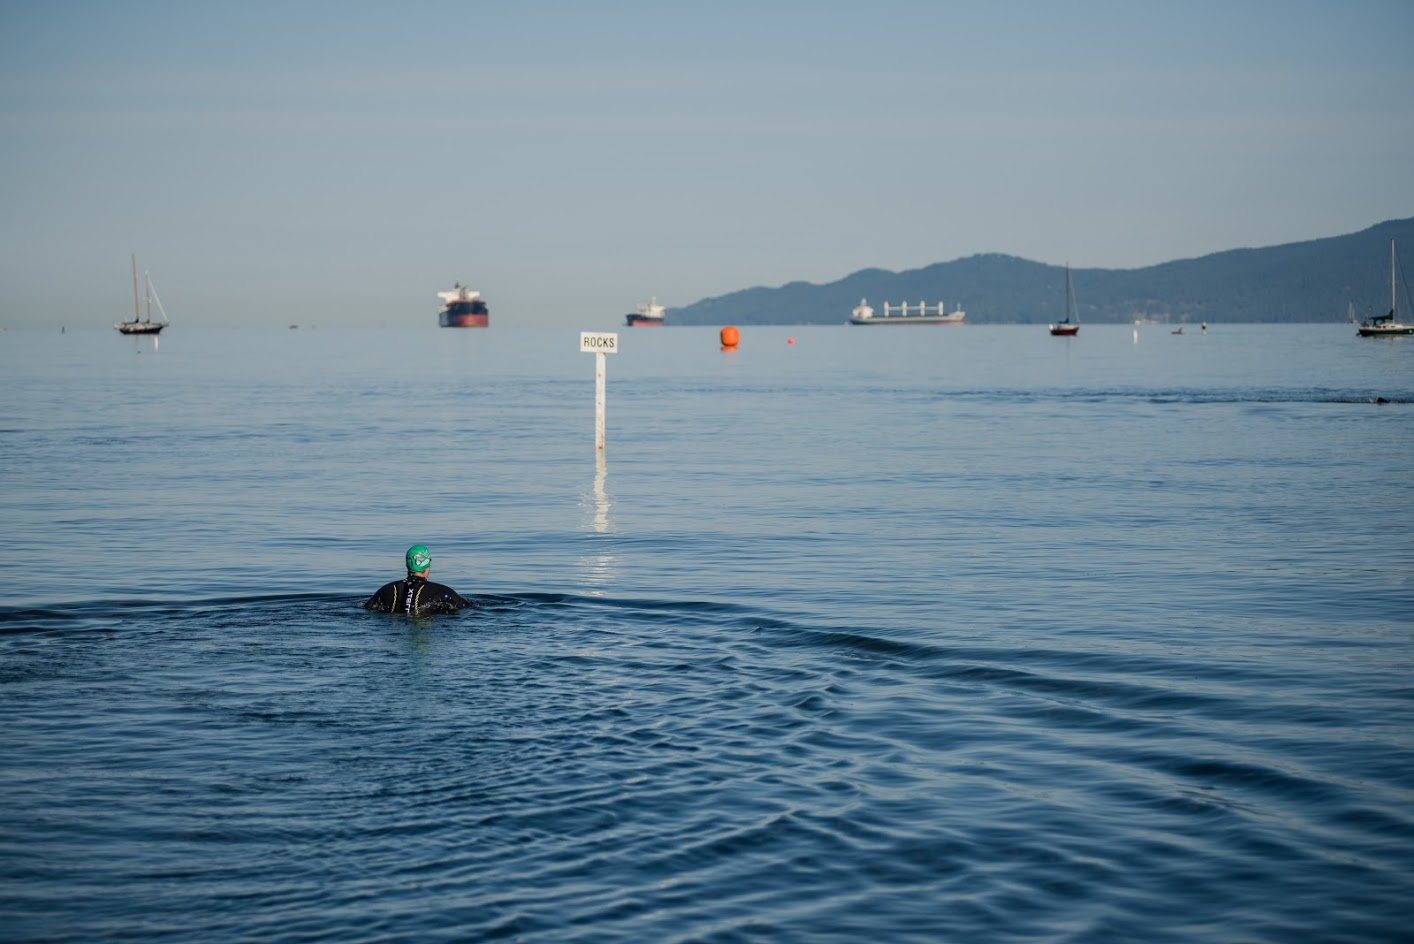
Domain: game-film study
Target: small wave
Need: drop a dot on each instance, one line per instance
(1175, 396)
(107, 615)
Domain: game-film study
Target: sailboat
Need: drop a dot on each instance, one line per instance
(1071, 323)
(1379, 326)
(138, 325)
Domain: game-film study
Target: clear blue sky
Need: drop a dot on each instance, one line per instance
(341, 162)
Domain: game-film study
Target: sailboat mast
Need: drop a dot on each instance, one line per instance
(147, 280)
(136, 313)
(1391, 277)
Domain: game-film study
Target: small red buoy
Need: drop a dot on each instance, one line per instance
(730, 336)
(790, 340)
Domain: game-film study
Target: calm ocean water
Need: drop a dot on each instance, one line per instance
(926, 634)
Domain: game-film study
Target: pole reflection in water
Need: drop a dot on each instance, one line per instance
(600, 567)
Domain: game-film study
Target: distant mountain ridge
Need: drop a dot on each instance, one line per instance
(1316, 280)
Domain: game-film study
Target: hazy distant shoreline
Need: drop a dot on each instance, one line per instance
(1321, 280)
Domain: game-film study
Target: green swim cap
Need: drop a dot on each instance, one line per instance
(419, 558)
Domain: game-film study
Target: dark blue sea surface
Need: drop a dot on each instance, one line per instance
(895, 634)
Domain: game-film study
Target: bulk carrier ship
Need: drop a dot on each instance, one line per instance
(650, 315)
(463, 308)
(902, 314)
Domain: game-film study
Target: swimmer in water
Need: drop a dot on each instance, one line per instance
(416, 596)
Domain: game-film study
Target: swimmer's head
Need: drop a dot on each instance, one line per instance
(419, 558)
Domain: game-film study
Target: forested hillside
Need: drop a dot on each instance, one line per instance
(1318, 280)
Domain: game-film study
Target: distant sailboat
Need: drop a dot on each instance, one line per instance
(138, 325)
(1384, 325)
(1071, 323)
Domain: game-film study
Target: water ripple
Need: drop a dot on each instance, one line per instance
(552, 767)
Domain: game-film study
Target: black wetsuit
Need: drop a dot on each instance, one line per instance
(415, 596)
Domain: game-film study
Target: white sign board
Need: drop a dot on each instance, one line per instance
(598, 342)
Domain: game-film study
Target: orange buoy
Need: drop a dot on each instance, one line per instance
(730, 336)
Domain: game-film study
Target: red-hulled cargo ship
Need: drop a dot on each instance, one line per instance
(650, 315)
(463, 308)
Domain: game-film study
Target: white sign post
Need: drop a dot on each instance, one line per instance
(598, 343)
